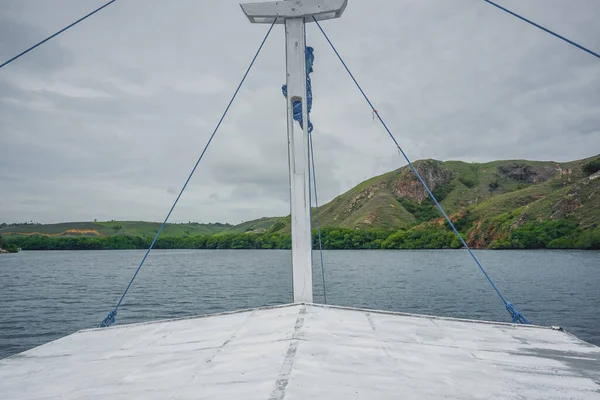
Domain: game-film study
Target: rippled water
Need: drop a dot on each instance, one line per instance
(46, 295)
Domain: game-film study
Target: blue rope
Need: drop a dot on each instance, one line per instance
(544, 29)
(314, 179)
(110, 318)
(56, 34)
(517, 317)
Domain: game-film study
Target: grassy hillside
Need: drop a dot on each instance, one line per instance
(490, 200)
(256, 226)
(497, 204)
(111, 228)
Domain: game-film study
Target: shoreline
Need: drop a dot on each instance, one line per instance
(314, 249)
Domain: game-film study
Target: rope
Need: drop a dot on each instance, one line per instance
(314, 181)
(110, 318)
(517, 317)
(56, 34)
(544, 29)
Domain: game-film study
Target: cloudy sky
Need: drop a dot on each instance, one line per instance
(107, 120)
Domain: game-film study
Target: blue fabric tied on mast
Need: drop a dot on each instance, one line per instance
(297, 106)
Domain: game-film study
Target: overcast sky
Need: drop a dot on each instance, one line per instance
(107, 120)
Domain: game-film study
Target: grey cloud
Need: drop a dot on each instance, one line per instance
(16, 36)
(106, 121)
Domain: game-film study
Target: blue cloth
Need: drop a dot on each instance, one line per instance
(297, 106)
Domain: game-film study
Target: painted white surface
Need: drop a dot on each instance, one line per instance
(298, 162)
(294, 13)
(266, 11)
(307, 352)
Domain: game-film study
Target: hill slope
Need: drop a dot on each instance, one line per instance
(111, 228)
(481, 196)
(496, 204)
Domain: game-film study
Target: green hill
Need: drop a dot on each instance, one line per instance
(256, 226)
(500, 204)
(489, 200)
(111, 228)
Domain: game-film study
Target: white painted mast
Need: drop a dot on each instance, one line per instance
(294, 14)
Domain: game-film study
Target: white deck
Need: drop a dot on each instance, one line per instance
(307, 352)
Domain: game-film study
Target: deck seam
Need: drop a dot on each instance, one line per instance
(432, 318)
(230, 338)
(283, 378)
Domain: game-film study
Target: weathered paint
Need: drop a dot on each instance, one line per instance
(282, 10)
(308, 352)
(295, 49)
(294, 13)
